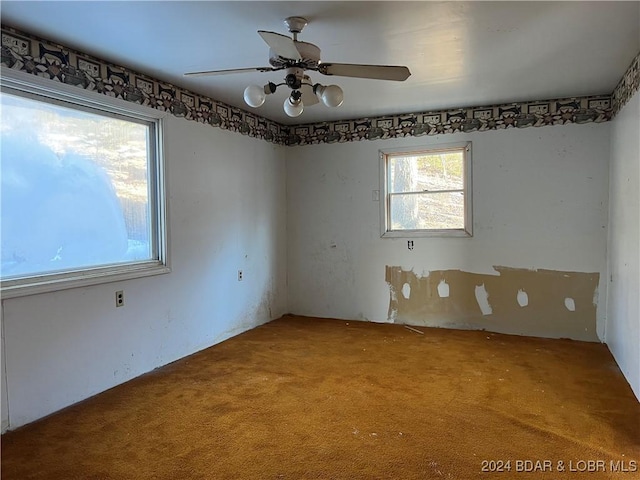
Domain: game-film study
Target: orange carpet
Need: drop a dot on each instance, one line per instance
(305, 398)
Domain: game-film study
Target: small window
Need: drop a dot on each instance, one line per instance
(427, 191)
(81, 192)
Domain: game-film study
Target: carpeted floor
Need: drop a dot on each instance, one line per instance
(303, 398)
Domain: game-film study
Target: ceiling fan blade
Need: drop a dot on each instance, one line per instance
(308, 97)
(232, 70)
(281, 44)
(377, 72)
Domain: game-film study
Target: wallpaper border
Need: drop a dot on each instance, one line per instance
(486, 118)
(627, 86)
(31, 54)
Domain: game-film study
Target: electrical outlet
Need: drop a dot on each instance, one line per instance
(120, 298)
(239, 275)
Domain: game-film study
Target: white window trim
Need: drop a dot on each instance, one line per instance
(467, 231)
(12, 81)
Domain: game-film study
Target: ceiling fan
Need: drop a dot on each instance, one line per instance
(296, 57)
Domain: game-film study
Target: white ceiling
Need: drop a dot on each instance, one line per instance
(460, 54)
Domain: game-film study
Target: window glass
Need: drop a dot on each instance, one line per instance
(75, 188)
(427, 191)
(435, 211)
(441, 171)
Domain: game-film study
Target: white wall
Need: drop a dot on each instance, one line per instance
(226, 212)
(623, 312)
(540, 202)
(3, 387)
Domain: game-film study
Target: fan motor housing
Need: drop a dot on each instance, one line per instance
(309, 52)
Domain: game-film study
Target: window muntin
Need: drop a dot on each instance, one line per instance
(82, 197)
(427, 192)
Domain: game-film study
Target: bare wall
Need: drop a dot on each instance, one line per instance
(540, 207)
(226, 212)
(3, 387)
(623, 307)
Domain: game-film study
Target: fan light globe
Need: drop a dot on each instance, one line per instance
(254, 96)
(332, 96)
(293, 109)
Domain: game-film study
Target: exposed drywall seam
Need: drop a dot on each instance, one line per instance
(558, 304)
(33, 55)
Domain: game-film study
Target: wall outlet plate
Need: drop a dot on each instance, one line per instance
(120, 298)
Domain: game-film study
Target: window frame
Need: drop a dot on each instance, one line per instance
(32, 87)
(385, 197)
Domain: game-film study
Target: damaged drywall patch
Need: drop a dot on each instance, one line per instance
(570, 304)
(482, 297)
(454, 298)
(443, 289)
(522, 298)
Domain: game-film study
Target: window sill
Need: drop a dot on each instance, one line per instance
(95, 276)
(427, 233)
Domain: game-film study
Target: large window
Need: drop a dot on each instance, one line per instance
(81, 197)
(427, 191)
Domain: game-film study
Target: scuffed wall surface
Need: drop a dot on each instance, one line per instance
(514, 300)
(540, 203)
(623, 312)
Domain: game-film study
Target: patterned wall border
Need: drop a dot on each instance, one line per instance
(481, 119)
(600, 108)
(31, 54)
(39, 57)
(627, 86)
